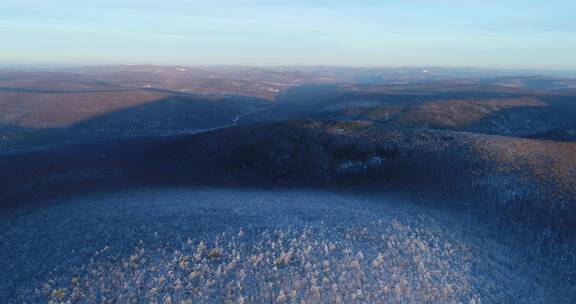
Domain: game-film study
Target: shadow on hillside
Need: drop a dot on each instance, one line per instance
(170, 116)
(528, 122)
(173, 115)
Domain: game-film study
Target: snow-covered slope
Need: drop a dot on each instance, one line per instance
(246, 246)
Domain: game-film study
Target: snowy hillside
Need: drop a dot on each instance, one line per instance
(239, 246)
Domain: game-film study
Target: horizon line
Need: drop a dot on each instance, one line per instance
(44, 65)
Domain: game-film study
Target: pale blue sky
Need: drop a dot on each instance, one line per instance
(487, 33)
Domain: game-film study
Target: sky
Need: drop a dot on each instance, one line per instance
(532, 34)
